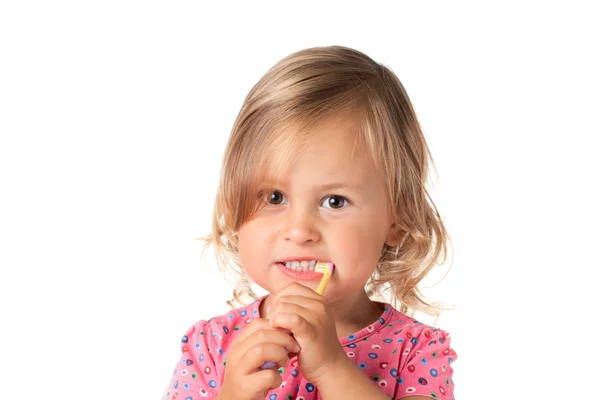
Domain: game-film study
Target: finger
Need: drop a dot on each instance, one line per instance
(256, 325)
(257, 355)
(314, 312)
(315, 304)
(299, 326)
(295, 289)
(271, 336)
(263, 381)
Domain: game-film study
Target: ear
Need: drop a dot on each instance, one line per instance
(394, 235)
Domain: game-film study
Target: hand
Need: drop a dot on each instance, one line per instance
(257, 343)
(307, 315)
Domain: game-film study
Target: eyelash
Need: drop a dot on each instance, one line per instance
(343, 198)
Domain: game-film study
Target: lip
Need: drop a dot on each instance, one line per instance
(307, 275)
(317, 259)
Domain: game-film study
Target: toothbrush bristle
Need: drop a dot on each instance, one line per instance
(323, 266)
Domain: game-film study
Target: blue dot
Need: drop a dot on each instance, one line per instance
(387, 340)
(186, 386)
(243, 313)
(442, 340)
(414, 340)
(400, 380)
(226, 330)
(352, 345)
(220, 351)
(273, 396)
(433, 372)
(310, 387)
(254, 312)
(424, 361)
(231, 316)
(188, 398)
(214, 334)
(450, 360)
(382, 320)
(394, 372)
(373, 355)
(351, 337)
(294, 372)
(212, 383)
(176, 384)
(400, 340)
(423, 381)
(387, 309)
(297, 388)
(184, 339)
(362, 365)
(201, 358)
(197, 345)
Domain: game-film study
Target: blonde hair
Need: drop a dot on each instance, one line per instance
(299, 91)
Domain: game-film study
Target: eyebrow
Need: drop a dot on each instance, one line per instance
(335, 185)
(326, 186)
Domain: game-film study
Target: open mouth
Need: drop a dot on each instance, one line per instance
(302, 266)
(299, 272)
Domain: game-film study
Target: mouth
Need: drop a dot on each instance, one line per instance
(299, 270)
(299, 265)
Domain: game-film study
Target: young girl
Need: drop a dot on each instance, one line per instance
(326, 162)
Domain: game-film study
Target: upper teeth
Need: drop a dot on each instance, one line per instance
(301, 265)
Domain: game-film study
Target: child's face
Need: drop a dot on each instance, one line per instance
(347, 225)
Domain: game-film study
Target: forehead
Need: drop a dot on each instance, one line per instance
(329, 151)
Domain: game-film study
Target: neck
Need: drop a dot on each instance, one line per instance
(354, 313)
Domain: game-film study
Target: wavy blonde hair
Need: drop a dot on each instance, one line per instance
(274, 124)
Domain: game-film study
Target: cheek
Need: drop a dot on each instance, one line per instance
(252, 238)
(360, 244)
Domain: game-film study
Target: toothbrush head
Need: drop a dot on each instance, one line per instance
(324, 266)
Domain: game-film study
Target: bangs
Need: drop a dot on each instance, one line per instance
(267, 159)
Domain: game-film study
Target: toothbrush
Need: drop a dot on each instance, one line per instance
(326, 268)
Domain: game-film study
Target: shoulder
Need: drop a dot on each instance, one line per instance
(219, 332)
(409, 329)
(424, 357)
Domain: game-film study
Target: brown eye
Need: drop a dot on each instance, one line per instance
(335, 202)
(276, 198)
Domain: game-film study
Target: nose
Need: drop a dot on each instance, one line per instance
(300, 226)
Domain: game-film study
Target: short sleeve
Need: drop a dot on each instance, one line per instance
(195, 376)
(426, 369)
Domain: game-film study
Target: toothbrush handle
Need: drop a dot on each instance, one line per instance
(324, 281)
(268, 364)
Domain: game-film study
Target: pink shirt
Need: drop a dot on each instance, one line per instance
(399, 354)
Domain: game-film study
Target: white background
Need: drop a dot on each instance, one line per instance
(113, 119)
